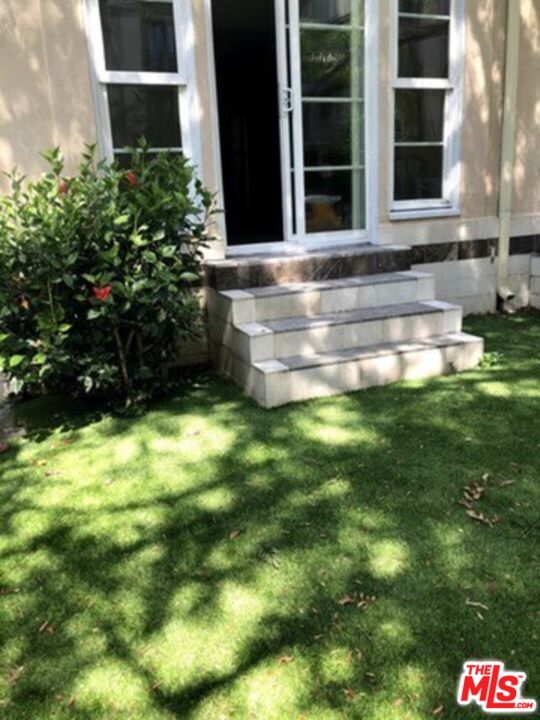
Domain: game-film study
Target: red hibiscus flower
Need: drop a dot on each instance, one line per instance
(63, 187)
(131, 178)
(102, 293)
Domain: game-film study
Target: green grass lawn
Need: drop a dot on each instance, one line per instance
(210, 559)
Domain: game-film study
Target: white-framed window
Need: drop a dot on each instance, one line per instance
(427, 45)
(143, 70)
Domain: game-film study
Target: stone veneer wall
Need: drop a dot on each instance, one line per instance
(466, 272)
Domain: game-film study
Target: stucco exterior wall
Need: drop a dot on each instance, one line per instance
(46, 99)
(45, 91)
(527, 164)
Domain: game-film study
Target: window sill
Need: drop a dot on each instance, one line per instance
(422, 213)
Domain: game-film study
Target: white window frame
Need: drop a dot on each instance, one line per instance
(448, 205)
(370, 101)
(184, 79)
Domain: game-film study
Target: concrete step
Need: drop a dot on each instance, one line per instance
(276, 302)
(304, 335)
(307, 266)
(290, 379)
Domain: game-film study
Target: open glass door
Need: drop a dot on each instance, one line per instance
(322, 59)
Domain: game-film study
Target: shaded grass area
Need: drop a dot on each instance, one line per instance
(213, 560)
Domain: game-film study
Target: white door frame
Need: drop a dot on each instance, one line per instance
(315, 240)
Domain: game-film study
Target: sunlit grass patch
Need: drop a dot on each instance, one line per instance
(208, 559)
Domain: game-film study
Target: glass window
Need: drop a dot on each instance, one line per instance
(423, 48)
(335, 200)
(328, 134)
(326, 63)
(425, 7)
(138, 36)
(418, 172)
(147, 111)
(328, 12)
(420, 115)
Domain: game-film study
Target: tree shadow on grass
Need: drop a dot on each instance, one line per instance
(211, 559)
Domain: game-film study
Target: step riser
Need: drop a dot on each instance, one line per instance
(239, 274)
(238, 308)
(269, 345)
(276, 389)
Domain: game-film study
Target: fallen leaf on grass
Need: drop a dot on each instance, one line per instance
(286, 659)
(439, 710)
(350, 694)
(482, 518)
(472, 604)
(47, 627)
(347, 600)
(234, 534)
(14, 674)
(507, 483)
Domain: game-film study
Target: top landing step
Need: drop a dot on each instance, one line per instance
(261, 270)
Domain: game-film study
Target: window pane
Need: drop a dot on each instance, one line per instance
(418, 173)
(144, 111)
(124, 159)
(425, 7)
(420, 115)
(423, 48)
(334, 12)
(328, 134)
(335, 201)
(138, 35)
(326, 63)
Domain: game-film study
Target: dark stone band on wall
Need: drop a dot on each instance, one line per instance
(471, 249)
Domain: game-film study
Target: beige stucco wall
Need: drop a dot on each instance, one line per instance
(46, 99)
(45, 92)
(527, 165)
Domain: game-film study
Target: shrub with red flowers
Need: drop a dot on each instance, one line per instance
(99, 274)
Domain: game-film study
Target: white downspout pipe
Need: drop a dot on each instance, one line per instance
(508, 147)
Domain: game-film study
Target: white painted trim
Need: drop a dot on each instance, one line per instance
(284, 109)
(185, 79)
(370, 101)
(448, 205)
(213, 110)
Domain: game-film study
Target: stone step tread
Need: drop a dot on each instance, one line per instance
(383, 312)
(342, 251)
(336, 357)
(322, 285)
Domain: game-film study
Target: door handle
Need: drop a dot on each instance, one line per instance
(286, 100)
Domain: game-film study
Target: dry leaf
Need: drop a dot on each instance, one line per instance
(347, 600)
(439, 710)
(470, 603)
(234, 534)
(286, 659)
(350, 694)
(507, 483)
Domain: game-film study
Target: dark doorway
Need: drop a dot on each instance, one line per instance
(247, 85)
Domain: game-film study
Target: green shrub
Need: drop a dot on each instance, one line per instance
(97, 274)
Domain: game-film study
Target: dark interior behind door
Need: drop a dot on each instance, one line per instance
(246, 75)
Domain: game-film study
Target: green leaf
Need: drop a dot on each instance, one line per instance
(189, 277)
(3, 337)
(65, 327)
(121, 220)
(149, 256)
(88, 383)
(93, 314)
(15, 360)
(39, 359)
